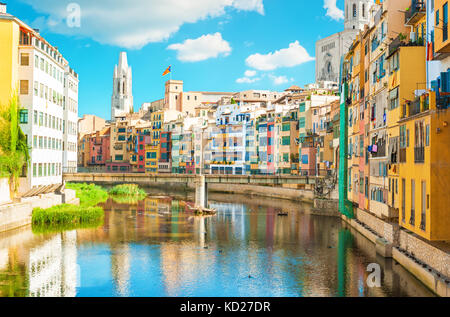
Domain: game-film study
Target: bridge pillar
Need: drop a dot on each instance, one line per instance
(201, 191)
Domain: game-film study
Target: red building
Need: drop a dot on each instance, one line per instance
(165, 163)
(98, 149)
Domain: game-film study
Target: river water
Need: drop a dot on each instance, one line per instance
(156, 247)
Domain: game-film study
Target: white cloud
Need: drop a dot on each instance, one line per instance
(202, 48)
(249, 5)
(249, 77)
(246, 80)
(135, 23)
(287, 57)
(279, 80)
(332, 10)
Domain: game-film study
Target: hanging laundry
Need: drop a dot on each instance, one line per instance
(374, 148)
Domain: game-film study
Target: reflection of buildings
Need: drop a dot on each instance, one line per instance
(120, 267)
(52, 268)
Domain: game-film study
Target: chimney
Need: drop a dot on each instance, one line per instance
(2, 7)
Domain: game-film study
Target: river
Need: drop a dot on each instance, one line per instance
(158, 248)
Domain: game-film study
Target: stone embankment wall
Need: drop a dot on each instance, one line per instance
(16, 215)
(425, 252)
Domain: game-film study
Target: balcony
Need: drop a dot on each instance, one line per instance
(419, 105)
(414, 107)
(417, 11)
(419, 154)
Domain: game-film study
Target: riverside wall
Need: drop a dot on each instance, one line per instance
(16, 215)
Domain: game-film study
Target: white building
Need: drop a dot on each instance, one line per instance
(70, 123)
(330, 49)
(40, 72)
(122, 97)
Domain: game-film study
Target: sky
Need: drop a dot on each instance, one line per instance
(212, 45)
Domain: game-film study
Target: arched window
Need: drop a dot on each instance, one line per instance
(354, 10)
(364, 10)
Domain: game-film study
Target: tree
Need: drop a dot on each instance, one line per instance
(14, 152)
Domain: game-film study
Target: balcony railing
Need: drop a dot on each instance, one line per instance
(415, 12)
(414, 107)
(419, 154)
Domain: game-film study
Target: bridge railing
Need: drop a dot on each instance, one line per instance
(207, 171)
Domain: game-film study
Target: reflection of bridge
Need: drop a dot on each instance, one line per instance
(200, 182)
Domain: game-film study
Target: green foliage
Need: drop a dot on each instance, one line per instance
(127, 190)
(89, 194)
(70, 217)
(14, 152)
(66, 214)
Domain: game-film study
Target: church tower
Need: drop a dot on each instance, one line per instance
(122, 97)
(357, 14)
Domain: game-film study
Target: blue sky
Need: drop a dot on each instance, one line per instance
(212, 45)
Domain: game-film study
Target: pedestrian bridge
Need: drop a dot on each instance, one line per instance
(146, 179)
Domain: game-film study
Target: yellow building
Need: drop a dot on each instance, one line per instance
(425, 168)
(404, 80)
(441, 35)
(152, 150)
(11, 36)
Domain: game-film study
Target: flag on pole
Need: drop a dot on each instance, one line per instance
(167, 71)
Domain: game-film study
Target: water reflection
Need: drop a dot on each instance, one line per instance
(156, 247)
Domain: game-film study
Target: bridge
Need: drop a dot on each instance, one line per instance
(147, 179)
(199, 181)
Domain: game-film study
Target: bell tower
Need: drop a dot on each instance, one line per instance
(356, 14)
(122, 97)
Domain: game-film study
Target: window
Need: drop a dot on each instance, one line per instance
(119, 157)
(393, 99)
(445, 22)
(24, 87)
(424, 206)
(25, 59)
(286, 140)
(413, 203)
(354, 11)
(23, 116)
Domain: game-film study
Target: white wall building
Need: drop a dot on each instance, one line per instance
(330, 49)
(70, 123)
(45, 101)
(122, 97)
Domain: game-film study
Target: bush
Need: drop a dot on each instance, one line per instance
(127, 190)
(89, 194)
(67, 214)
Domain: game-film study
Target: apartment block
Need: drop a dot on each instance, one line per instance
(48, 94)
